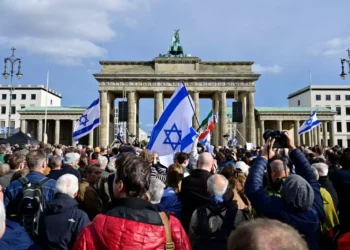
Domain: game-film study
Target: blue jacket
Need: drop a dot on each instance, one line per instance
(170, 202)
(61, 222)
(306, 222)
(15, 237)
(13, 192)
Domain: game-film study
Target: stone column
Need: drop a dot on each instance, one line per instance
(40, 130)
(262, 130)
(73, 126)
(104, 119)
(158, 105)
(331, 133)
(57, 131)
(23, 126)
(91, 138)
(216, 132)
(251, 118)
(195, 124)
(296, 135)
(279, 125)
(222, 118)
(242, 127)
(324, 131)
(318, 128)
(137, 98)
(131, 114)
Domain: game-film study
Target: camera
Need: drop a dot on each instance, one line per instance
(279, 136)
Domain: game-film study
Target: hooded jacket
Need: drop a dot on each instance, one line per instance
(307, 222)
(15, 237)
(132, 224)
(61, 222)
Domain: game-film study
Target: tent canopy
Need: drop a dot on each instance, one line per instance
(20, 138)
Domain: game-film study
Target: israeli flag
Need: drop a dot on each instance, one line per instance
(88, 121)
(234, 142)
(309, 124)
(173, 131)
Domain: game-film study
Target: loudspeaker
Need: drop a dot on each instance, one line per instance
(237, 115)
(123, 111)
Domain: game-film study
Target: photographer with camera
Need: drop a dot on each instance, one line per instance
(300, 204)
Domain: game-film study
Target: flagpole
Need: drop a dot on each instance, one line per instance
(47, 93)
(194, 111)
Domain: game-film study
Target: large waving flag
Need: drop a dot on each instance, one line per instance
(173, 131)
(309, 124)
(210, 125)
(89, 120)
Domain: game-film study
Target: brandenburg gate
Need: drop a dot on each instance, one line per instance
(159, 78)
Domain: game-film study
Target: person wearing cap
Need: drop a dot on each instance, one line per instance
(69, 161)
(300, 204)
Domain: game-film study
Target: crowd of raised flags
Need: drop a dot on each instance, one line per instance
(173, 132)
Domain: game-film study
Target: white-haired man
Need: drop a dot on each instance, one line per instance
(103, 161)
(212, 224)
(155, 191)
(61, 221)
(325, 182)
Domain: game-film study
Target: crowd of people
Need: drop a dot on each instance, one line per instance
(62, 197)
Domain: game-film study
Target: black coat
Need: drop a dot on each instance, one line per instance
(328, 185)
(61, 222)
(194, 194)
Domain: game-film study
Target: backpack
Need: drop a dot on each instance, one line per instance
(31, 205)
(218, 239)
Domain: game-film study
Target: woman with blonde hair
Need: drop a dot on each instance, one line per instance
(170, 201)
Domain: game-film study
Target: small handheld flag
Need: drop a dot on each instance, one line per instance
(309, 124)
(89, 120)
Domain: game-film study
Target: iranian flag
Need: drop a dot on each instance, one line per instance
(207, 126)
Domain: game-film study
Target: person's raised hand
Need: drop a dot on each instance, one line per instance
(268, 152)
(290, 142)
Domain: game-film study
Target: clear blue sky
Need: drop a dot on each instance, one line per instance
(286, 39)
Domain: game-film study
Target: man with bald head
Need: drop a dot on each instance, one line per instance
(194, 192)
(212, 223)
(279, 173)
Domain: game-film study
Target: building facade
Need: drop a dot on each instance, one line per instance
(22, 97)
(334, 97)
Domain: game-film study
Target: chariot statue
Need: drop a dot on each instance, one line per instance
(175, 49)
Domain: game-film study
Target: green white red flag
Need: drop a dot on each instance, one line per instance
(207, 126)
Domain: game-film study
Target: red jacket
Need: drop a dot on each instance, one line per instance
(133, 224)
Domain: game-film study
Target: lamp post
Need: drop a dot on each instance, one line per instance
(343, 75)
(12, 60)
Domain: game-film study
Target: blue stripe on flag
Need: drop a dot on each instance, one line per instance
(182, 94)
(86, 129)
(96, 102)
(312, 125)
(188, 139)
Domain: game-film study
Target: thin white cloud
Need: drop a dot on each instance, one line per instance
(66, 31)
(333, 47)
(275, 69)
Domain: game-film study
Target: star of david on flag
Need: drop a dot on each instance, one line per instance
(89, 120)
(309, 124)
(173, 131)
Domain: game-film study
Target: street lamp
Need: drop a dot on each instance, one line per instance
(12, 61)
(343, 75)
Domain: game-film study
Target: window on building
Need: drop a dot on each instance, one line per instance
(328, 97)
(348, 128)
(298, 102)
(318, 97)
(338, 126)
(51, 102)
(348, 143)
(338, 109)
(2, 123)
(3, 96)
(13, 110)
(347, 110)
(14, 96)
(328, 107)
(33, 96)
(3, 110)
(23, 96)
(347, 97)
(22, 106)
(340, 142)
(337, 97)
